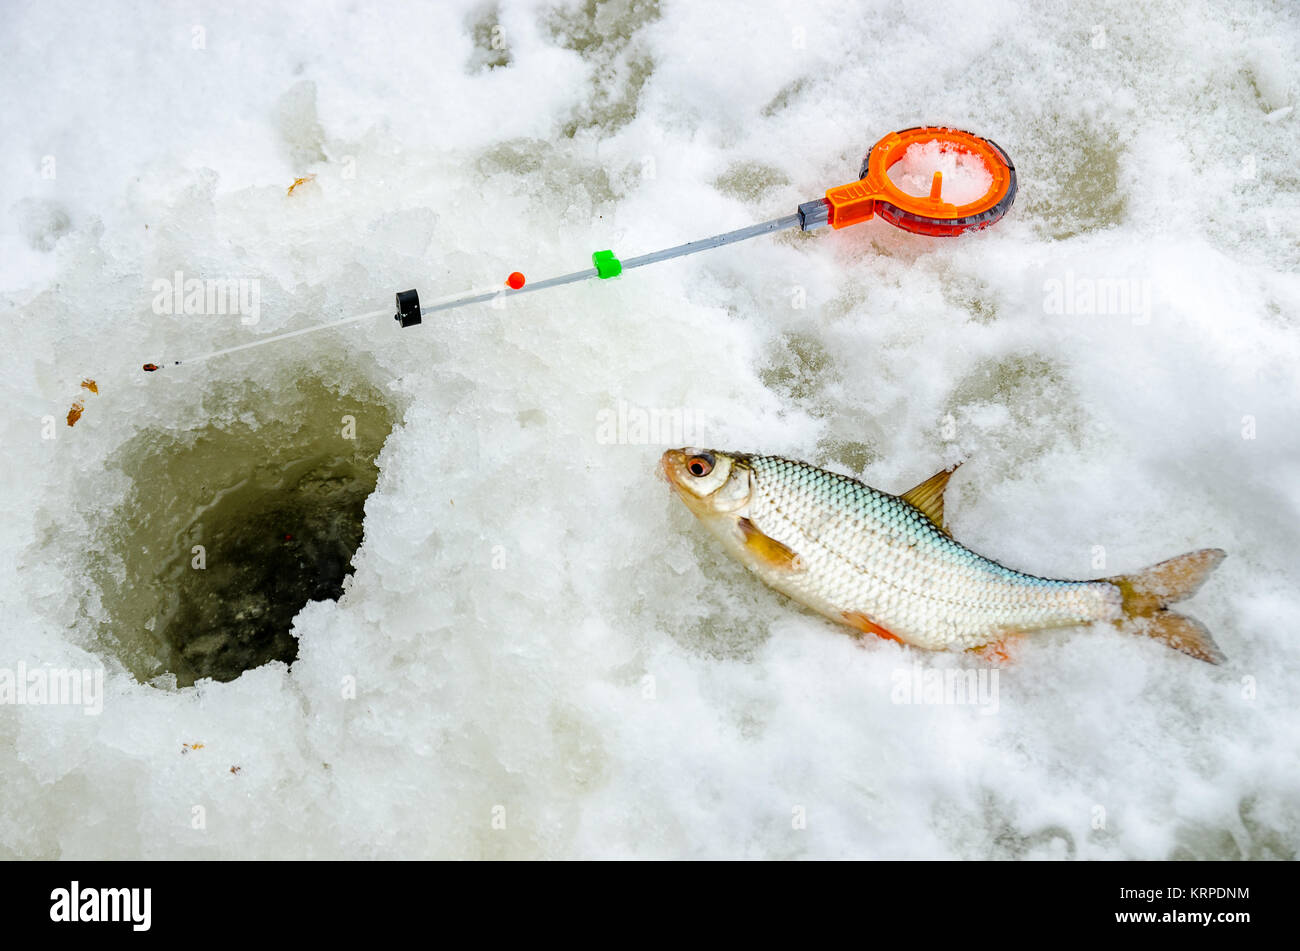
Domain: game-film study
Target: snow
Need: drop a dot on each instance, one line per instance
(540, 653)
(965, 177)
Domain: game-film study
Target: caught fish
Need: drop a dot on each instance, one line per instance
(886, 565)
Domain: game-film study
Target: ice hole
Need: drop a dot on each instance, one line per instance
(233, 528)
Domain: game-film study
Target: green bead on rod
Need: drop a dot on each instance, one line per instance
(606, 264)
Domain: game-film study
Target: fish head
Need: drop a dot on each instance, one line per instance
(709, 482)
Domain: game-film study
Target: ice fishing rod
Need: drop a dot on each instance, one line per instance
(980, 188)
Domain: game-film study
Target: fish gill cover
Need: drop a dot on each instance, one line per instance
(536, 653)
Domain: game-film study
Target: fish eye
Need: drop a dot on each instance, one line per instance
(700, 465)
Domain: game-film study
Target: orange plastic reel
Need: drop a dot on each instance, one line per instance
(875, 194)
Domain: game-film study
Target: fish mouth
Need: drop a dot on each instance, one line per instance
(675, 467)
(671, 465)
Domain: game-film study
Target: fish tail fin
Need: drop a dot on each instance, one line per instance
(1147, 595)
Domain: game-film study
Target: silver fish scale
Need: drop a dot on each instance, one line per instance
(869, 552)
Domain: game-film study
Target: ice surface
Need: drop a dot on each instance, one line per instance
(536, 635)
(965, 179)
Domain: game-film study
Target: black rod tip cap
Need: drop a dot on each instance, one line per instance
(408, 308)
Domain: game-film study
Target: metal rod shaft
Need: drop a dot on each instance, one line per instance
(717, 241)
(481, 296)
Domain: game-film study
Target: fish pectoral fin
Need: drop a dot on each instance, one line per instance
(867, 626)
(928, 496)
(767, 549)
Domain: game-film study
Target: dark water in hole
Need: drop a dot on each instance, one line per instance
(265, 560)
(232, 527)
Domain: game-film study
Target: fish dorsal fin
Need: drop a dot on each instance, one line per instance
(928, 496)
